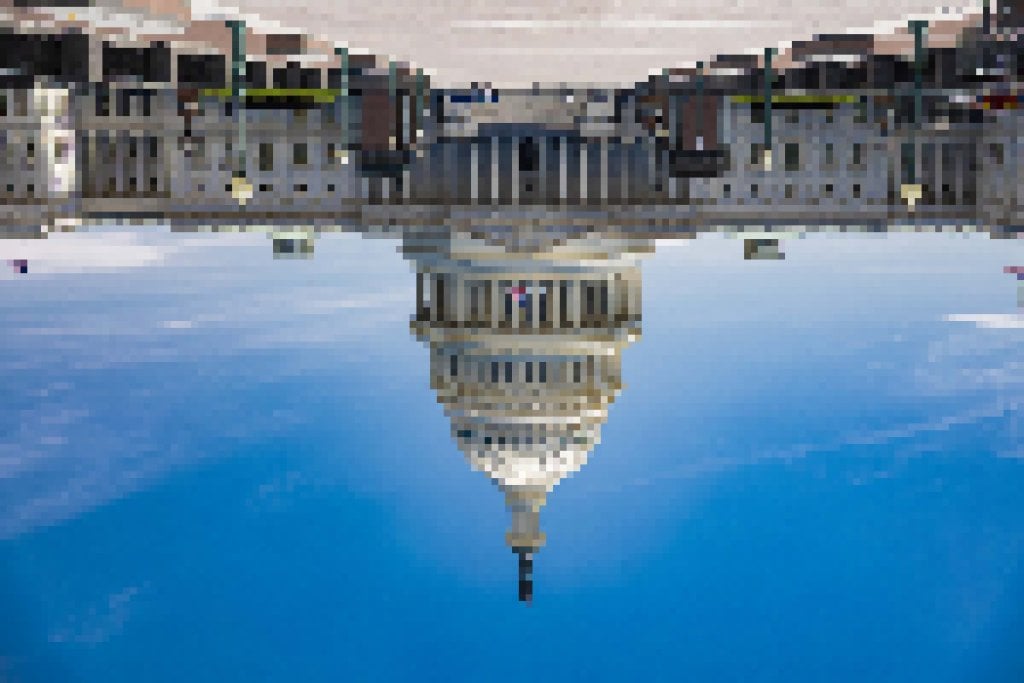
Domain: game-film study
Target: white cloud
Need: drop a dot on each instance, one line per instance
(83, 252)
(114, 250)
(991, 321)
(100, 622)
(907, 435)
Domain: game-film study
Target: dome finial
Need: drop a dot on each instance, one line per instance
(525, 576)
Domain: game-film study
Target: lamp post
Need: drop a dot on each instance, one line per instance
(699, 127)
(912, 191)
(241, 188)
(768, 78)
(342, 103)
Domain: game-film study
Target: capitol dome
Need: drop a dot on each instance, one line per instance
(525, 357)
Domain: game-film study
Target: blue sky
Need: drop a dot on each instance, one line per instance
(217, 466)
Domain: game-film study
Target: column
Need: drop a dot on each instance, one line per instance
(515, 308)
(575, 289)
(603, 167)
(120, 163)
(474, 172)
(543, 175)
(613, 298)
(533, 287)
(495, 303)
(494, 170)
(625, 164)
(584, 167)
(431, 293)
(563, 170)
(514, 161)
(458, 295)
(451, 172)
(726, 118)
(555, 304)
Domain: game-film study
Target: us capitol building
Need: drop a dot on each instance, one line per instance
(526, 212)
(204, 123)
(525, 337)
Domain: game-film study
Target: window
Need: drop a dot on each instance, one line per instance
(300, 154)
(528, 155)
(830, 154)
(856, 190)
(453, 368)
(792, 116)
(330, 152)
(753, 191)
(197, 150)
(757, 114)
(508, 372)
(529, 371)
(858, 154)
(792, 156)
(995, 150)
(727, 189)
(102, 101)
(828, 189)
(494, 372)
(266, 156)
(789, 191)
(30, 150)
(577, 371)
(542, 371)
(756, 153)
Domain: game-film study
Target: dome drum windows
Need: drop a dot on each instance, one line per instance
(507, 372)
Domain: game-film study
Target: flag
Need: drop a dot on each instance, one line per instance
(519, 295)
